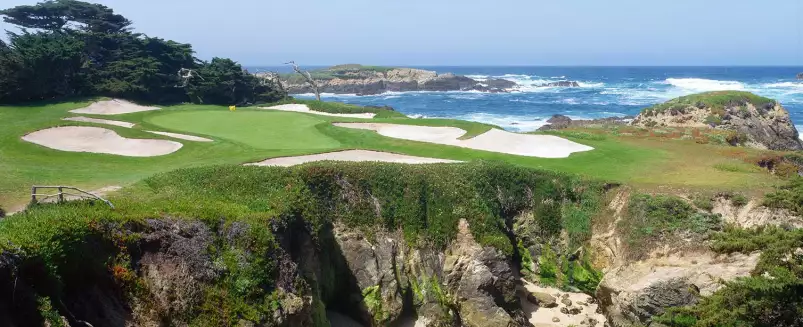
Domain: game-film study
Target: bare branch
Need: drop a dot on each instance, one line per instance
(308, 77)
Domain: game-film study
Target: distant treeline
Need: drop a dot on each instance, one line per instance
(70, 48)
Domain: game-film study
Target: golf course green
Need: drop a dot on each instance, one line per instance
(250, 135)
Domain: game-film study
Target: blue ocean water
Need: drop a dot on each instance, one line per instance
(604, 92)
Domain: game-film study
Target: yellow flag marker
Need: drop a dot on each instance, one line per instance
(232, 108)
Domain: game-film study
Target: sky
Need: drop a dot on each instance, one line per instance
(477, 32)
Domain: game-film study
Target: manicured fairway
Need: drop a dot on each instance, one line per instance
(251, 135)
(259, 129)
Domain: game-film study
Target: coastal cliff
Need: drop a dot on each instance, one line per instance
(367, 80)
(753, 120)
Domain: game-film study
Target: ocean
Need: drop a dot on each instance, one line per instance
(603, 92)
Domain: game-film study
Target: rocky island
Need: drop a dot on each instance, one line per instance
(369, 80)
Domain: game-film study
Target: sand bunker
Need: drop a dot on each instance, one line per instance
(304, 108)
(112, 107)
(101, 121)
(99, 140)
(494, 140)
(182, 136)
(350, 155)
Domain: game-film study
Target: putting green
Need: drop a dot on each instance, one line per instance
(262, 130)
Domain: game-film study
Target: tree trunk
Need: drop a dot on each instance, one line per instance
(308, 77)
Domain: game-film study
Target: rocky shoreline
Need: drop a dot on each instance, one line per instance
(364, 80)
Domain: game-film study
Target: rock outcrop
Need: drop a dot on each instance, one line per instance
(362, 80)
(562, 122)
(754, 121)
(800, 76)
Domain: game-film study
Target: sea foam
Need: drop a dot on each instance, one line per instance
(703, 85)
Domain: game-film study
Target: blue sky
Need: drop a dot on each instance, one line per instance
(472, 32)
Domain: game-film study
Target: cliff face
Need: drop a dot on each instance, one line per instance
(354, 79)
(755, 121)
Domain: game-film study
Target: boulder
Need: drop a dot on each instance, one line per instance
(566, 301)
(800, 76)
(542, 299)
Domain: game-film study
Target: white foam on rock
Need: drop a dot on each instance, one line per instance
(296, 107)
(113, 107)
(99, 140)
(101, 121)
(350, 155)
(494, 140)
(183, 136)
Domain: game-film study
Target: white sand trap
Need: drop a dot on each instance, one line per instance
(101, 121)
(183, 136)
(99, 140)
(494, 140)
(304, 108)
(112, 107)
(350, 155)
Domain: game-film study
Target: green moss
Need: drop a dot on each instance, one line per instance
(548, 266)
(49, 314)
(582, 275)
(372, 298)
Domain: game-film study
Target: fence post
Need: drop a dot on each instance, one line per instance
(61, 195)
(33, 194)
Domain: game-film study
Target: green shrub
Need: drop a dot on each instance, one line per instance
(739, 200)
(650, 218)
(703, 202)
(788, 196)
(548, 266)
(735, 138)
(714, 120)
(772, 295)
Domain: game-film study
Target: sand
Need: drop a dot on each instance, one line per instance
(99, 140)
(542, 317)
(494, 140)
(183, 136)
(112, 107)
(101, 121)
(304, 108)
(350, 155)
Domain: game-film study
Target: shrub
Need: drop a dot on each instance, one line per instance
(739, 200)
(650, 218)
(713, 120)
(736, 138)
(789, 196)
(704, 203)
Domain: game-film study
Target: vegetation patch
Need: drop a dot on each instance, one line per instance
(651, 218)
(716, 101)
(770, 296)
(788, 196)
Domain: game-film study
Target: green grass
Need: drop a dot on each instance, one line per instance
(716, 101)
(249, 135)
(261, 130)
(345, 108)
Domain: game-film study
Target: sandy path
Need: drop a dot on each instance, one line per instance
(101, 121)
(494, 140)
(112, 107)
(350, 155)
(183, 136)
(543, 317)
(304, 108)
(99, 140)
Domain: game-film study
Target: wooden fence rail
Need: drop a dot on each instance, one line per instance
(61, 193)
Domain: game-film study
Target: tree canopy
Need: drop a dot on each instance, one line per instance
(73, 48)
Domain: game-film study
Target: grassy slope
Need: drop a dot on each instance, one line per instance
(249, 135)
(715, 100)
